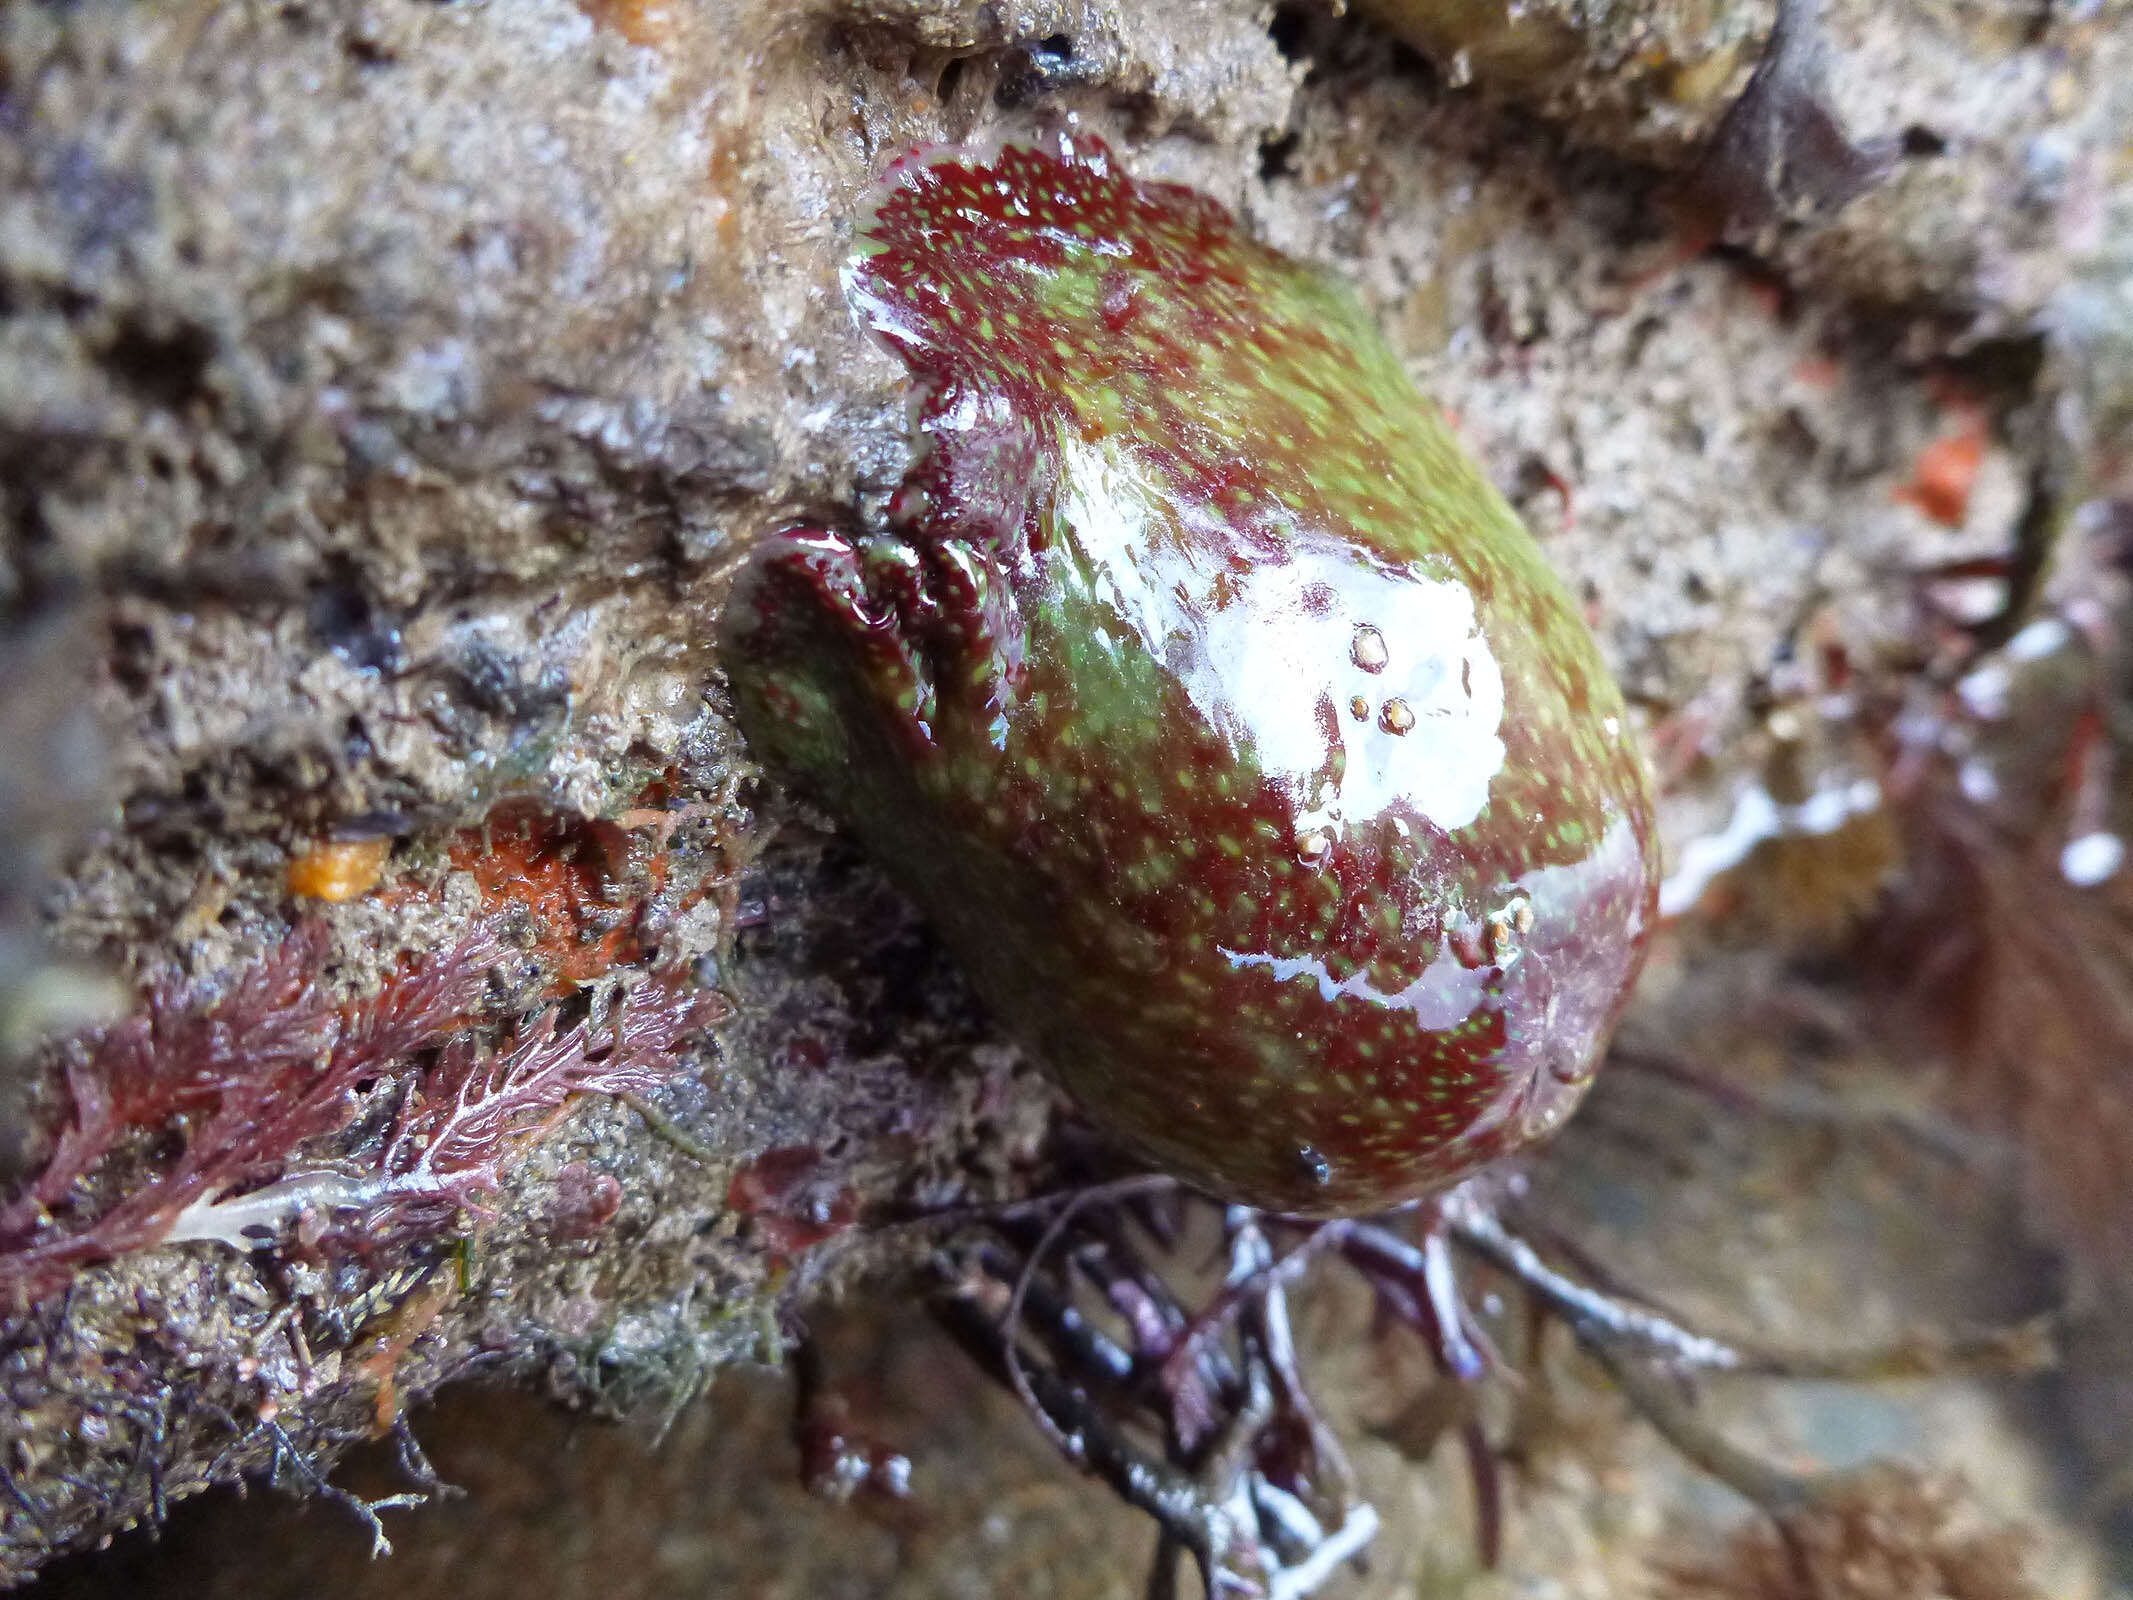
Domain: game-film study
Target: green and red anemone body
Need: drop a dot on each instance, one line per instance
(1224, 720)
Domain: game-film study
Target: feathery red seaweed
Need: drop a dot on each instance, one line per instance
(258, 1077)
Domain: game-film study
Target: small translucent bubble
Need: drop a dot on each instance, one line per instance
(1368, 649)
(2090, 859)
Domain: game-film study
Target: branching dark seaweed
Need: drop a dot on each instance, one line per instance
(311, 1481)
(1187, 1400)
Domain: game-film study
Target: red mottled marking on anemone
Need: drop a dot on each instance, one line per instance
(585, 1202)
(1177, 514)
(794, 1203)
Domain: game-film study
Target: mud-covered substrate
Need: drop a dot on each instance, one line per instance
(387, 393)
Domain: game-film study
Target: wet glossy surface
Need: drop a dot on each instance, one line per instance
(1225, 721)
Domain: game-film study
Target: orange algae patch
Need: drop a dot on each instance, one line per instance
(582, 895)
(1945, 473)
(577, 886)
(336, 870)
(642, 22)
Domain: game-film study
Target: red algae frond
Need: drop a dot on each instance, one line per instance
(261, 1075)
